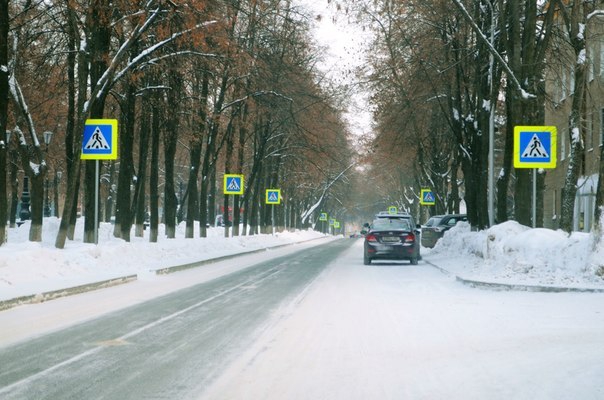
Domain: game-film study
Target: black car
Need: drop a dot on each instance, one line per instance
(437, 225)
(391, 239)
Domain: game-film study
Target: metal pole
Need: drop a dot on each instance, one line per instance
(96, 203)
(534, 197)
(491, 195)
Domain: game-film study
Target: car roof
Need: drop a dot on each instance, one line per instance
(385, 214)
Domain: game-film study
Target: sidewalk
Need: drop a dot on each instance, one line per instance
(494, 284)
(57, 283)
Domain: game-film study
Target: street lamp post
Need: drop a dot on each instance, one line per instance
(57, 179)
(47, 138)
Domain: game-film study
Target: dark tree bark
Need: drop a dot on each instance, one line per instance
(195, 152)
(100, 41)
(123, 217)
(170, 142)
(154, 177)
(4, 25)
(139, 208)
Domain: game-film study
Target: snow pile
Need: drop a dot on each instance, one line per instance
(515, 254)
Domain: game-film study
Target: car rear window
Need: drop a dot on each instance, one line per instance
(390, 223)
(434, 221)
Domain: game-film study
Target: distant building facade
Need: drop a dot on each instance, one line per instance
(560, 85)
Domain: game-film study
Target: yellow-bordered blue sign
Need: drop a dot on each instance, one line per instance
(273, 196)
(427, 197)
(336, 224)
(233, 184)
(100, 140)
(392, 210)
(323, 216)
(332, 221)
(535, 146)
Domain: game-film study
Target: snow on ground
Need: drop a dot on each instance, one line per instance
(506, 253)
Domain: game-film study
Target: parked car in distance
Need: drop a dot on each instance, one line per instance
(391, 239)
(436, 227)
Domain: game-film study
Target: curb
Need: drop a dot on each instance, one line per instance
(55, 294)
(182, 267)
(515, 287)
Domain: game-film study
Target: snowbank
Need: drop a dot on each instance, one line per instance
(515, 254)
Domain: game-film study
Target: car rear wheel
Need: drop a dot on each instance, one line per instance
(366, 259)
(414, 261)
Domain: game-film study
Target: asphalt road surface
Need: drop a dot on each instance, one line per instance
(167, 348)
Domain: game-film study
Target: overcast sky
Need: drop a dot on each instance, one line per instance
(345, 43)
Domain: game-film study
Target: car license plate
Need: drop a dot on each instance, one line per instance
(390, 239)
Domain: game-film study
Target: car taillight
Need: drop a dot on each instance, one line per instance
(410, 238)
(371, 238)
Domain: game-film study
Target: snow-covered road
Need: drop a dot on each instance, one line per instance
(317, 324)
(396, 331)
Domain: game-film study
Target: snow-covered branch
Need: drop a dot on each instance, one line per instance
(305, 215)
(493, 51)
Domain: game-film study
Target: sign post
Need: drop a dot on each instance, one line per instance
(323, 219)
(535, 147)
(273, 196)
(99, 143)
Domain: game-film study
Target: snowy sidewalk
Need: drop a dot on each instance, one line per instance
(510, 256)
(34, 272)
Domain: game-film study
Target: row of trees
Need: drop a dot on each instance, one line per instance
(200, 88)
(445, 73)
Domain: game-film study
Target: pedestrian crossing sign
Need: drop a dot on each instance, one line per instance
(427, 198)
(535, 146)
(323, 216)
(233, 184)
(273, 196)
(100, 140)
(392, 210)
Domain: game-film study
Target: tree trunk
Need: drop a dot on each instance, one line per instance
(110, 193)
(100, 28)
(14, 188)
(228, 160)
(569, 192)
(599, 212)
(170, 143)
(195, 152)
(206, 172)
(139, 203)
(154, 177)
(123, 218)
(4, 25)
